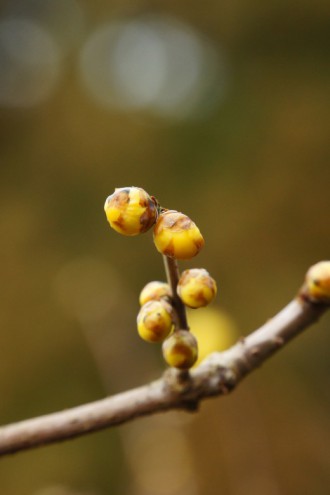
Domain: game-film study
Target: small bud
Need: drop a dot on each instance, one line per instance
(180, 350)
(177, 236)
(154, 291)
(318, 282)
(130, 210)
(196, 288)
(154, 321)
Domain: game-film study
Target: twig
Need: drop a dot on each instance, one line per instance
(216, 375)
(173, 275)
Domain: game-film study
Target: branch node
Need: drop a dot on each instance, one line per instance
(177, 381)
(279, 341)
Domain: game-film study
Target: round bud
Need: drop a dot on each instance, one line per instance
(154, 291)
(130, 210)
(196, 288)
(154, 321)
(177, 236)
(180, 350)
(318, 282)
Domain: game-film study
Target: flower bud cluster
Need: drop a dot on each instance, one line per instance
(156, 319)
(156, 322)
(131, 211)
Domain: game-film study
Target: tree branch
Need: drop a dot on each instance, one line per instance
(216, 375)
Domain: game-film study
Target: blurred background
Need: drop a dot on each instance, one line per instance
(220, 110)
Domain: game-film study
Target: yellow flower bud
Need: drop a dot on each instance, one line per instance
(130, 210)
(180, 350)
(177, 236)
(318, 282)
(196, 288)
(154, 291)
(154, 321)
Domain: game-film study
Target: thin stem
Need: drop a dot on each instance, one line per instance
(173, 275)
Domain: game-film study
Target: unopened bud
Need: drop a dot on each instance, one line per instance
(154, 291)
(177, 236)
(130, 210)
(318, 282)
(180, 350)
(154, 321)
(196, 288)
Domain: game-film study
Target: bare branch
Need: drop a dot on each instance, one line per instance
(173, 276)
(216, 375)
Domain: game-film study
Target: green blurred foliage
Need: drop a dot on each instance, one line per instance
(254, 174)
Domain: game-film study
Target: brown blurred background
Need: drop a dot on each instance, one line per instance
(220, 110)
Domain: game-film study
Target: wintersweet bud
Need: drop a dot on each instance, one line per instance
(180, 350)
(177, 236)
(318, 282)
(154, 291)
(196, 288)
(154, 321)
(130, 210)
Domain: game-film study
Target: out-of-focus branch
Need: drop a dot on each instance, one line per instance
(216, 375)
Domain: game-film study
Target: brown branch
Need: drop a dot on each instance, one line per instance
(173, 275)
(216, 375)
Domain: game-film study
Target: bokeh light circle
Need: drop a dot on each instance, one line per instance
(30, 63)
(155, 63)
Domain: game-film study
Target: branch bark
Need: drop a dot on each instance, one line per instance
(173, 276)
(216, 375)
